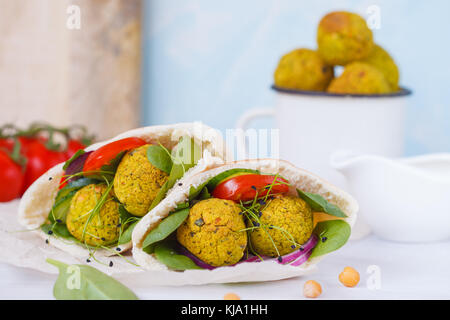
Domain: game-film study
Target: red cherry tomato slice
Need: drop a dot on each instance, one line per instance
(105, 154)
(244, 187)
(11, 178)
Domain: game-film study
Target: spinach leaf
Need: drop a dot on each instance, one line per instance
(59, 230)
(318, 203)
(212, 183)
(165, 252)
(166, 227)
(194, 192)
(332, 234)
(159, 157)
(74, 157)
(125, 236)
(186, 155)
(81, 282)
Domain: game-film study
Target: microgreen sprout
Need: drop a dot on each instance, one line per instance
(253, 211)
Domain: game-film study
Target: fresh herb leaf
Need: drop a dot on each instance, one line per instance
(165, 253)
(166, 227)
(186, 155)
(160, 158)
(81, 282)
(332, 234)
(75, 156)
(125, 237)
(318, 203)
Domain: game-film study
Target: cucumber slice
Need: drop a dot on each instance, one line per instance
(61, 207)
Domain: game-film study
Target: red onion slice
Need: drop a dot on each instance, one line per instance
(302, 259)
(306, 247)
(77, 164)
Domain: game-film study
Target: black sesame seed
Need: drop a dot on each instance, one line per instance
(270, 227)
(301, 249)
(253, 187)
(259, 214)
(293, 246)
(46, 241)
(256, 224)
(180, 184)
(119, 225)
(50, 232)
(87, 260)
(59, 220)
(50, 178)
(324, 239)
(280, 259)
(118, 249)
(110, 263)
(103, 239)
(241, 213)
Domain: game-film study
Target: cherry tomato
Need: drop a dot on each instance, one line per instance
(244, 187)
(105, 154)
(7, 144)
(11, 178)
(72, 147)
(37, 162)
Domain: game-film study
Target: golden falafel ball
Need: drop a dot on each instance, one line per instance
(214, 232)
(343, 37)
(137, 181)
(360, 78)
(303, 69)
(102, 229)
(289, 213)
(380, 59)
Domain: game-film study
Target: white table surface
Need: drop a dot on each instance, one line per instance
(408, 271)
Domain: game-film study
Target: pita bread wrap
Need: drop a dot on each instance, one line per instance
(244, 271)
(38, 200)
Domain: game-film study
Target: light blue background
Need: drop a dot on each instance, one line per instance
(210, 60)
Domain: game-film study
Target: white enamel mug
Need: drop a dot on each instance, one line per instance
(314, 125)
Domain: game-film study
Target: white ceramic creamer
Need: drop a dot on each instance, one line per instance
(401, 199)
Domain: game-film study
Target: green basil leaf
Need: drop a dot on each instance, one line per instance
(332, 234)
(159, 157)
(75, 156)
(125, 237)
(318, 203)
(212, 183)
(166, 227)
(166, 254)
(81, 282)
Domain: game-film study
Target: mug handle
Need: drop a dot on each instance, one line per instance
(244, 120)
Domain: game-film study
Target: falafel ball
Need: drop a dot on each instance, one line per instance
(303, 69)
(360, 78)
(137, 181)
(289, 213)
(214, 232)
(343, 37)
(380, 59)
(103, 228)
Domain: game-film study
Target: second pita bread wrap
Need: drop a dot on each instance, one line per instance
(261, 271)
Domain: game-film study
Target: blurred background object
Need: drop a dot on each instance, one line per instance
(207, 55)
(63, 75)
